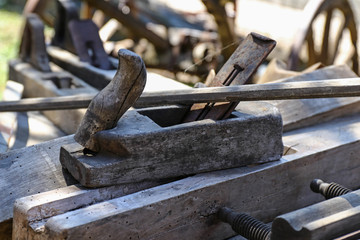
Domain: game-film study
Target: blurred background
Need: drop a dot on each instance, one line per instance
(188, 38)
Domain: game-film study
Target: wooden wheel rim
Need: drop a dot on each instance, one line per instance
(304, 35)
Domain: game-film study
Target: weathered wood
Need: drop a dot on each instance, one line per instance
(106, 108)
(328, 50)
(53, 84)
(225, 25)
(349, 87)
(276, 69)
(21, 168)
(305, 112)
(130, 152)
(329, 219)
(32, 47)
(187, 208)
(57, 202)
(37, 169)
(242, 64)
(99, 78)
(131, 22)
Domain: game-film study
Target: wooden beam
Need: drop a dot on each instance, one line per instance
(186, 209)
(349, 87)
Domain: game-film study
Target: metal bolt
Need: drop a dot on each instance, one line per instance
(245, 225)
(328, 190)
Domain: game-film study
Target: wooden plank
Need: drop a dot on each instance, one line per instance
(325, 220)
(99, 78)
(53, 84)
(37, 169)
(187, 208)
(348, 87)
(305, 112)
(29, 171)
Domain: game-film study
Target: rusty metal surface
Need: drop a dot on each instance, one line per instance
(32, 47)
(87, 43)
(242, 64)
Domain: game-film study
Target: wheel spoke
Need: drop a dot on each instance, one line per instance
(311, 48)
(354, 38)
(338, 38)
(325, 42)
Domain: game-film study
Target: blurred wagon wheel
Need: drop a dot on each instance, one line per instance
(44, 8)
(324, 46)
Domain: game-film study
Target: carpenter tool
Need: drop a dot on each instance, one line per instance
(114, 100)
(88, 45)
(131, 151)
(66, 12)
(32, 47)
(79, 36)
(43, 79)
(242, 64)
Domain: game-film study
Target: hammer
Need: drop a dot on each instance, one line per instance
(114, 100)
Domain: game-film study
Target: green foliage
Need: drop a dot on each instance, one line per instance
(10, 32)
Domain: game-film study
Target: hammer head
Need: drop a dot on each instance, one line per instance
(114, 100)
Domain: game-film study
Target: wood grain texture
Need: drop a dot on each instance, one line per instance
(329, 219)
(187, 208)
(20, 169)
(107, 107)
(342, 87)
(305, 112)
(53, 84)
(138, 149)
(242, 64)
(34, 208)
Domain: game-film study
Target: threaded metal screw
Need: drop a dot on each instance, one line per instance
(328, 190)
(245, 225)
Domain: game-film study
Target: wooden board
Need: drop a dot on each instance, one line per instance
(29, 171)
(187, 208)
(37, 169)
(40, 84)
(99, 78)
(306, 112)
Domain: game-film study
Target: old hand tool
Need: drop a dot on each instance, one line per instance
(112, 102)
(32, 47)
(79, 36)
(242, 64)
